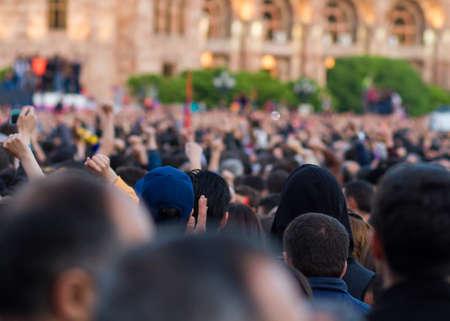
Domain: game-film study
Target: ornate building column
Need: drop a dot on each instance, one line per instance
(377, 43)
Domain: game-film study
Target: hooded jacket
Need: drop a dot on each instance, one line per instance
(313, 189)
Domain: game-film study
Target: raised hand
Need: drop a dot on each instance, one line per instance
(194, 153)
(200, 227)
(27, 123)
(100, 164)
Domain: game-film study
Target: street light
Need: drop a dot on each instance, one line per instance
(268, 62)
(330, 62)
(224, 83)
(207, 59)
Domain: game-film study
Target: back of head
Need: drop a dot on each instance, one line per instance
(317, 245)
(253, 181)
(311, 189)
(168, 194)
(241, 218)
(360, 231)
(130, 174)
(362, 192)
(411, 217)
(216, 190)
(194, 278)
(276, 180)
(54, 224)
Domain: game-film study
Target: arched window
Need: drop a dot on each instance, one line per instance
(218, 16)
(342, 20)
(169, 16)
(407, 23)
(57, 14)
(277, 17)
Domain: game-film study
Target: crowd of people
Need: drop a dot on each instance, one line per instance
(143, 214)
(37, 73)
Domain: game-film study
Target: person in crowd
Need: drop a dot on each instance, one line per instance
(359, 195)
(411, 218)
(168, 194)
(61, 233)
(311, 189)
(361, 236)
(317, 245)
(214, 188)
(242, 218)
(276, 180)
(237, 282)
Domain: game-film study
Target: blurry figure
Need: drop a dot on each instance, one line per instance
(238, 282)
(411, 243)
(61, 233)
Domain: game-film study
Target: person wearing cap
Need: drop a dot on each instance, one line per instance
(168, 194)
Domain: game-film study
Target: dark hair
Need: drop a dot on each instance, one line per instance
(251, 193)
(56, 223)
(411, 217)
(317, 245)
(253, 181)
(362, 192)
(269, 202)
(5, 159)
(167, 281)
(130, 174)
(276, 180)
(216, 190)
(168, 214)
(242, 218)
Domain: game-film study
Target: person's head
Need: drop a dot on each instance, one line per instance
(276, 180)
(317, 245)
(130, 174)
(61, 233)
(5, 159)
(242, 219)
(361, 234)
(349, 171)
(216, 190)
(253, 181)
(311, 189)
(268, 204)
(411, 218)
(199, 278)
(168, 194)
(248, 196)
(359, 196)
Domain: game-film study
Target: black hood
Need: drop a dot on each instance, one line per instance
(311, 189)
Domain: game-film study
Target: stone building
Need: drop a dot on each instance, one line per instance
(117, 38)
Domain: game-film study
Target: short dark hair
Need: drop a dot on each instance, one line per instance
(276, 180)
(251, 193)
(317, 245)
(253, 181)
(216, 190)
(166, 281)
(56, 223)
(131, 174)
(269, 202)
(411, 216)
(5, 159)
(362, 192)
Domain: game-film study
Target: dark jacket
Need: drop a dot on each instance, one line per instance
(415, 300)
(313, 189)
(335, 290)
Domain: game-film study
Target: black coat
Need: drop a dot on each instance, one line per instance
(313, 189)
(415, 300)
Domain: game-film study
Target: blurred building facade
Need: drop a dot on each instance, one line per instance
(116, 38)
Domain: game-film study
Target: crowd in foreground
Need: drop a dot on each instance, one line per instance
(157, 215)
